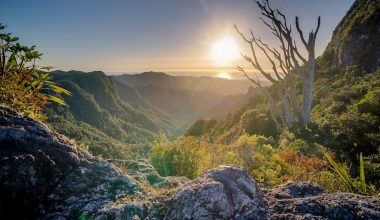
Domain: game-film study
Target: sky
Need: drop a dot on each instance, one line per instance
(132, 36)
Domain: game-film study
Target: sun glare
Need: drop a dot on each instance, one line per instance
(224, 75)
(224, 51)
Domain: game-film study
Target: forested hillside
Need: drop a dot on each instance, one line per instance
(98, 117)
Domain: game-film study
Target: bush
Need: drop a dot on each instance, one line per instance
(178, 158)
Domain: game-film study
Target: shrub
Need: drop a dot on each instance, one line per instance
(178, 158)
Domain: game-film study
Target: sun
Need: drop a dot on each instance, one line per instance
(224, 51)
(224, 75)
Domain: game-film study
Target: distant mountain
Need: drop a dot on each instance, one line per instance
(189, 83)
(356, 39)
(180, 103)
(96, 114)
(187, 97)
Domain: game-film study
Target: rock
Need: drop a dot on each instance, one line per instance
(308, 201)
(226, 192)
(296, 190)
(43, 174)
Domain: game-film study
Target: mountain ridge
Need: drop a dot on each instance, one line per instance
(192, 83)
(96, 106)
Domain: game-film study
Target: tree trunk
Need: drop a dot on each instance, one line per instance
(308, 91)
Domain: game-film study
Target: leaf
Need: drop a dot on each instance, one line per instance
(362, 175)
(34, 83)
(59, 89)
(48, 68)
(340, 170)
(12, 62)
(56, 100)
(14, 39)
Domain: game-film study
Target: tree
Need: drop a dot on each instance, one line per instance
(289, 66)
(24, 85)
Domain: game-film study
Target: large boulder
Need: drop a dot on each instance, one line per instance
(226, 192)
(43, 174)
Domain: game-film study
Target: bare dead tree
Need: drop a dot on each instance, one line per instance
(288, 66)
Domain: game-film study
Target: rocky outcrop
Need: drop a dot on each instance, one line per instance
(44, 175)
(355, 40)
(226, 192)
(308, 201)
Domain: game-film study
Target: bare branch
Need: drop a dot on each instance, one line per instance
(301, 33)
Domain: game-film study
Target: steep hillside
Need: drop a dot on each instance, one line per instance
(231, 103)
(253, 118)
(130, 95)
(189, 83)
(96, 115)
(356, 39)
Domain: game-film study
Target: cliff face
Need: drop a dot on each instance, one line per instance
(356, 39)
(44, 175)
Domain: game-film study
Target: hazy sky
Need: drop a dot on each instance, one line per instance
(143, 35)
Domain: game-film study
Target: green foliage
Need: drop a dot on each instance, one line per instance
(178, 158)
(24, 85)
(267, 162)
(346, 114)
(354, 185)
(372, 168)
(256, 121)
(85, 217)
(370, 103)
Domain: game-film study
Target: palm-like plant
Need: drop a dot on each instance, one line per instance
(24, 85)
(355, 185)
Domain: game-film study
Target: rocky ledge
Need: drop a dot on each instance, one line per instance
(43, 175)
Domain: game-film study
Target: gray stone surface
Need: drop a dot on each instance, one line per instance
(295, 201)
(43, 174)
(226, 192)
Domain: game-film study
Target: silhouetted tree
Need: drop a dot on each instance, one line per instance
(288, 66)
